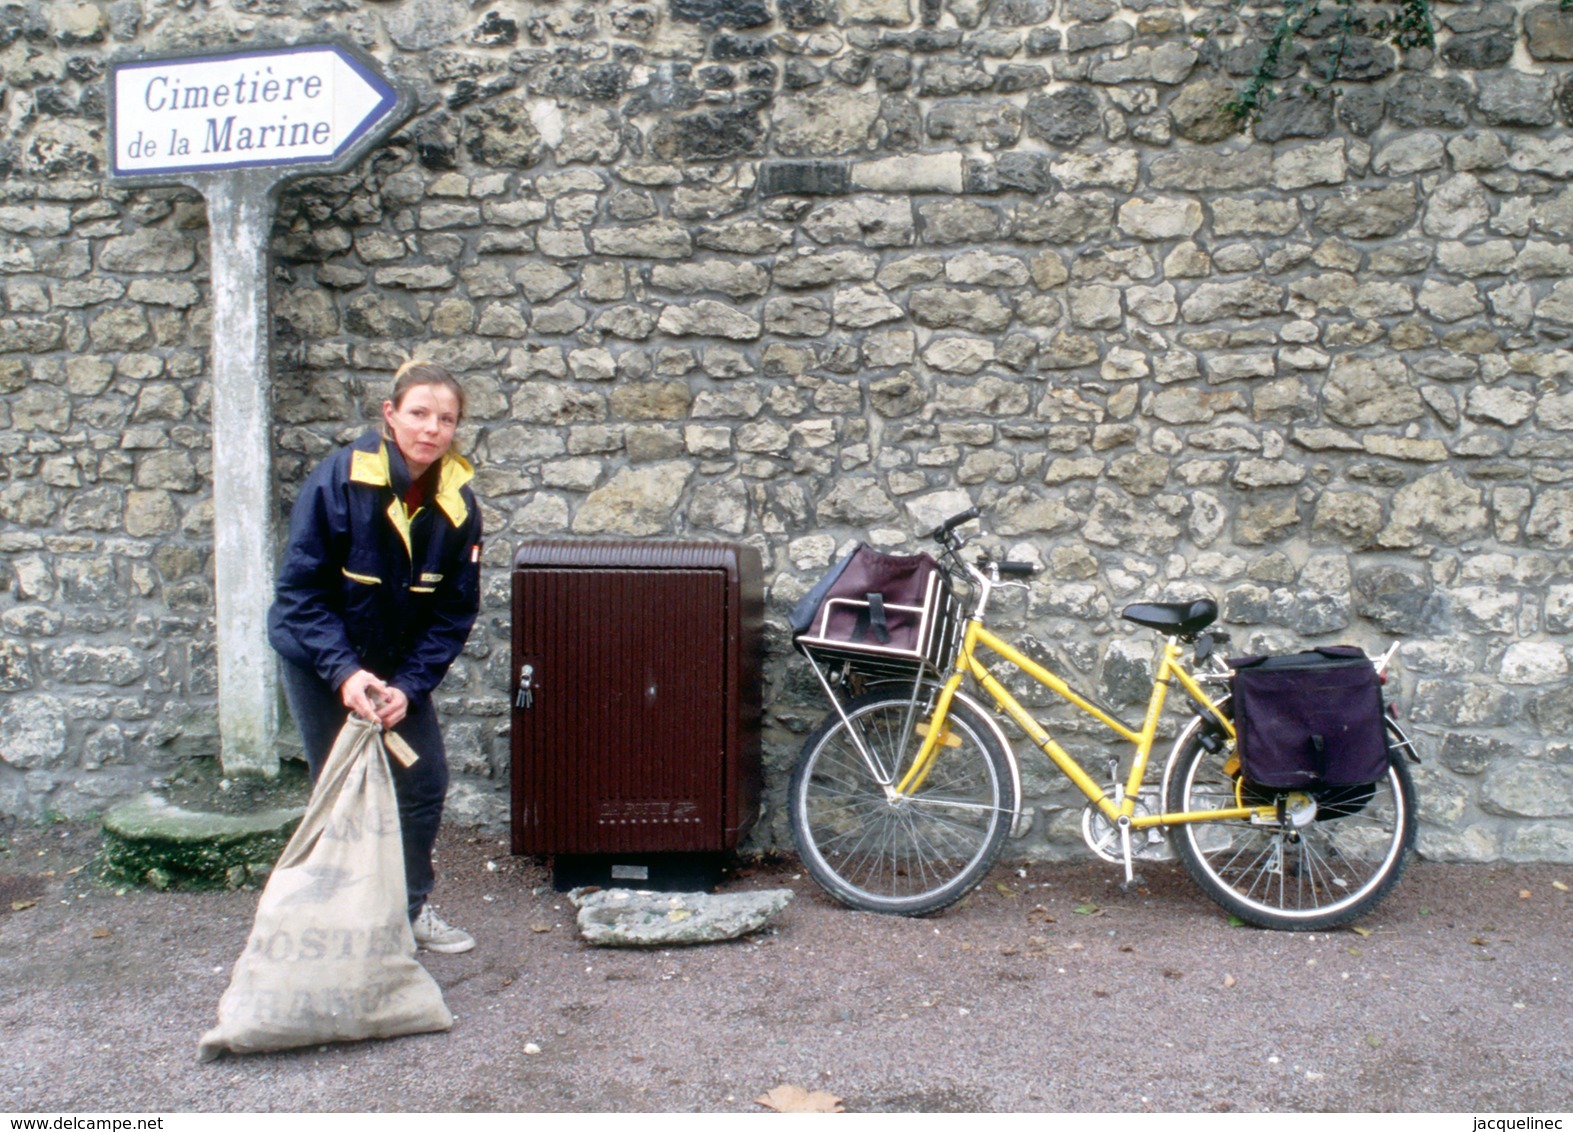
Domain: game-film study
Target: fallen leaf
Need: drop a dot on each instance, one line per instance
(1004, 889)
(73, 872)
(1235, 921)
(1559, 886)
(1228, 980)
(1373, 1040)
(1099, 992)
(1171, 973)
(21, 905)
(1361, 931)
(540, 928)
(1087, 909)
(1010, 951)
(1524, 894)
(1480, 942)
(1040, 915)
(1354, 951)
(794, 1098)
(101, 933)
(1126, 947)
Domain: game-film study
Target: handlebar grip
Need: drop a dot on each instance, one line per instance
(953, 522)
(1017, 569)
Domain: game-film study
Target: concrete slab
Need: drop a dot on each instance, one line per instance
(151, 841)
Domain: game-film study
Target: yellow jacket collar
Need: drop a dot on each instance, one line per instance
(371, 469)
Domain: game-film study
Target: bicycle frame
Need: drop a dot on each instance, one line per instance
(1120, 809)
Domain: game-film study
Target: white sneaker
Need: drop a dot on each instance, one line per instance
(434, 935)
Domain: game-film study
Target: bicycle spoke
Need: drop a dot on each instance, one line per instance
(1317, 867)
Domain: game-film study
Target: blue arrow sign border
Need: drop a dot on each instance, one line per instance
(391, 109)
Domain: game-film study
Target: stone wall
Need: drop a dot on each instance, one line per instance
(798, 272)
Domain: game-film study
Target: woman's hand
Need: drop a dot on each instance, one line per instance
(395, 705)
(356, 693)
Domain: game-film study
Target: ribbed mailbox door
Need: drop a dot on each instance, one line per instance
(626, 705)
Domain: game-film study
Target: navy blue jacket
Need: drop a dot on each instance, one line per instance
(365, 585)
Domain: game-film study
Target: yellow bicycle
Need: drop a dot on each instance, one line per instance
(903, 797)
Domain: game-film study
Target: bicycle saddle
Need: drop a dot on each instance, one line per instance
(1178, 618)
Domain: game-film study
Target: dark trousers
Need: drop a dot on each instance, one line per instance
(420, 789)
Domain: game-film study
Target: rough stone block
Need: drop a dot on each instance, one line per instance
(804, 178)
(619, 917)
(1548, 31)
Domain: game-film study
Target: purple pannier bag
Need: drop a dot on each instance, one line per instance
(1309, 720)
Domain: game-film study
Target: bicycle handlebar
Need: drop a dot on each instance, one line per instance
(941, 535)
(938, 533)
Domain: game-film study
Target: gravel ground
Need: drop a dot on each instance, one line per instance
(1453, 996)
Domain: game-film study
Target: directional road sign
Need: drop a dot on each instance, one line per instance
(287, 106)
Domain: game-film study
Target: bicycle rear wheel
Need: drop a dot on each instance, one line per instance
(1328, 872)
(910, 854)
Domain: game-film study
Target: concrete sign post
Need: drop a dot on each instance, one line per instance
(235, 126)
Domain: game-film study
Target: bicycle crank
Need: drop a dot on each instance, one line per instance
(1103, 836)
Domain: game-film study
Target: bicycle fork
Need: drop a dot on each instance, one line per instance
(879, 773)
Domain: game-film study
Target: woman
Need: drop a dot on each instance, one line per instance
(376, 595)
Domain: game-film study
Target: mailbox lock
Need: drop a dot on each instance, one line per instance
(526, 696)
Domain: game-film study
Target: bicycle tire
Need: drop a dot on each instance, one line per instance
(1326, 874)
(911, 855)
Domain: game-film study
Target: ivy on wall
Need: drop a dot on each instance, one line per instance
(1406, 26)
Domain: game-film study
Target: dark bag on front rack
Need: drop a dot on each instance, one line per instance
(869, 598)
(1311, 720)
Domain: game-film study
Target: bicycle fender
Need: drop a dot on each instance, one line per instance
(1180, 740)
(1010, 757)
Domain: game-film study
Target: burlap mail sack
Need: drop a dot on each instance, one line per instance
(331, 957)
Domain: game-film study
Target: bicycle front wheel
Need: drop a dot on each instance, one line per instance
(880, 850)
(1329, 871)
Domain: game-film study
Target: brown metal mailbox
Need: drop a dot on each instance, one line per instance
(636, 696)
